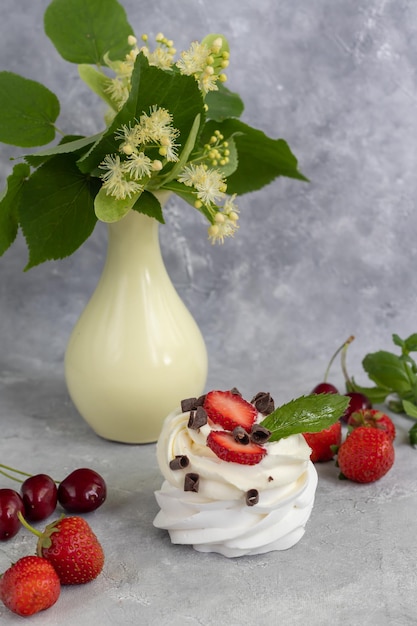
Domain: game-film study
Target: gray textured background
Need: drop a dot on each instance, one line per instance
(310, 265)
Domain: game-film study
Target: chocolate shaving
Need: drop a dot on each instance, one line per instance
(201, 400)
(270, 479)
(191, 482)
(181, 461)
(189, 404)
(235, 391)
(197, 419)
(240, 435)
(259, 434)
(263, 403)
(252, 497)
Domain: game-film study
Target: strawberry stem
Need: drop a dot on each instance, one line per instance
(28, 526)
(343, 347)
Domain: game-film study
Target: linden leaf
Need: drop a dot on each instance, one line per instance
(9, 201)
(307, 414)
(223, 104)
(28, 111)
(260, 158)
(83, 31)
(56, 210)
(97, 81)
(149, 205)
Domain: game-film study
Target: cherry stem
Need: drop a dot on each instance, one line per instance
(340, 348)
(344, 368)
(28, 526)
(16, 471)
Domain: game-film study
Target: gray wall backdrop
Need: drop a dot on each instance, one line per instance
(311, 263)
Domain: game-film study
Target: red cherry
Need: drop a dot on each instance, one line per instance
(82, 491)
(325, 388)
(10, 504)
(39, 495)
(358, 401)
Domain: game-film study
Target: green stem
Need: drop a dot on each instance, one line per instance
(12, 469)
(22, 520)
(11, 477)
(340, 348)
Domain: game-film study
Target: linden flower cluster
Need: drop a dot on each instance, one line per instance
(205, 63)
(147, 146)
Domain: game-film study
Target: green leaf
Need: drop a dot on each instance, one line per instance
(389, 371)
(84, 30)
(67, 144)
(375, 394)
(307, 414)
(260, 158)
(149, 205)
(110, 209)
(56, 211)
(9, 201)
(411, 343)
(28, 111)
(182, 191)
(223, 104)
(410, 409)
(97, 81)
(413, 435)
(151, 86)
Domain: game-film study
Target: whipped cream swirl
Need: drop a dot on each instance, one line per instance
(217, 518)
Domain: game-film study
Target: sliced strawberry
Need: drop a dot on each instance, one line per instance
(229, 410)
(225, 446)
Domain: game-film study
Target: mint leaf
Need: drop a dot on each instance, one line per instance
(56, 209)
(307, 414)
(9, 201)
(375, 394)
(223, 104)
(413, 435)
(84, 30)
(390, 371)
(410, 409)
(28, 111)
(260, 158)
(410, 344)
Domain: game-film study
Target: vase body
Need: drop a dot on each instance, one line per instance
(135, 351)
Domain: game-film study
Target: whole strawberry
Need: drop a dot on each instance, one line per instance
(73, 549)
(321, 442)
(30, 585)
(374, 419)
(366, 455)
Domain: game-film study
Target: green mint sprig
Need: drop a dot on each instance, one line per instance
(307, 414)
(395, 378)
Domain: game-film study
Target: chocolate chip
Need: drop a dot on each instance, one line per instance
(191, 482)
(259, 434)
(201, 400)
(188, 404)
(270, 479)
(263, 403)
(235, 391)
(181, 461)
(252, 497)
(197, 419)
(241, 435)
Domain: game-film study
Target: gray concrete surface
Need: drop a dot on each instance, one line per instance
(310, 265)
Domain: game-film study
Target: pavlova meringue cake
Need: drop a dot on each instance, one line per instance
(232, 485)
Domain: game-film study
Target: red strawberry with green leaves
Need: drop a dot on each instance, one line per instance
(30, 585)
(229, 410)
(366, 455)
(227, 448)
(373, 419)
(73, 549)
(321, 442)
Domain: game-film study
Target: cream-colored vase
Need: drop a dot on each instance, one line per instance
(136, 351)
